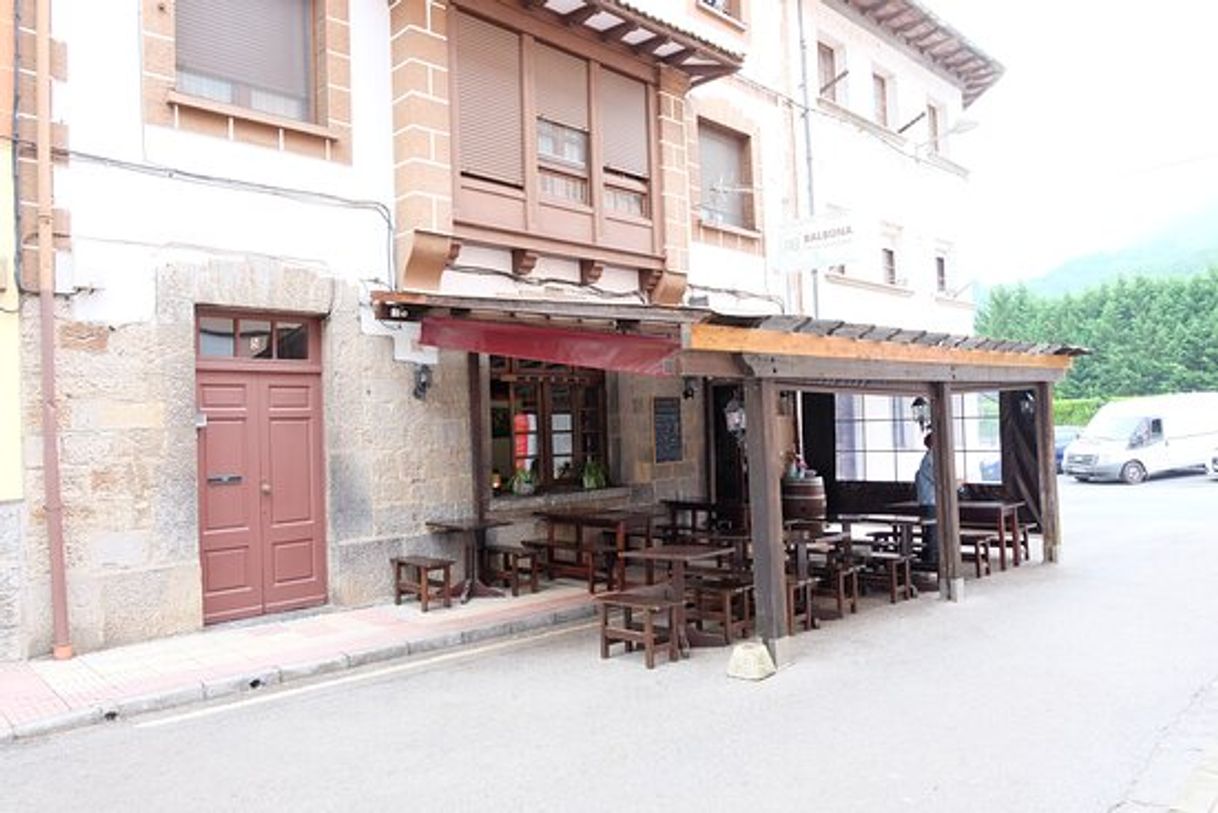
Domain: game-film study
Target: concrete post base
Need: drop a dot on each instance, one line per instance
(951, 589)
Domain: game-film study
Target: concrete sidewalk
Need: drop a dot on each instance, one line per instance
(42, 696)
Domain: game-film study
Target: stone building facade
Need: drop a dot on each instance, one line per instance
(180, 193)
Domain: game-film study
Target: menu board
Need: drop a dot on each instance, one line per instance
(666, 416)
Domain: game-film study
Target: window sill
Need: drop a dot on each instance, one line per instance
(245, 114)
(881, 287)
(846, 114)
(513, 504)
(963, 304)
(727, 228)
(939, 162)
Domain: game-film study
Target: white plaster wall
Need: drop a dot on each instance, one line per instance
(125, 223)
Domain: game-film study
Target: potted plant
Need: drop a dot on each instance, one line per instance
(523, 482)
(594, 474)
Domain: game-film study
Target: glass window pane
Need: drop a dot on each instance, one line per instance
(215, 337)
(565, 145)
(291, 340)
(254, 339)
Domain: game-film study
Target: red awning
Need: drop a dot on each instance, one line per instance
(622, 352)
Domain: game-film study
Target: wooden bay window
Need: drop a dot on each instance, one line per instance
(551, 142)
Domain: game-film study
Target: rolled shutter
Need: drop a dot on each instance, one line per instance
(488, 94)
(261, 45)
(562, 87)
(623, 109)
(722, 167)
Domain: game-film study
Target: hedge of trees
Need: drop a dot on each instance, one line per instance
(1147, 336)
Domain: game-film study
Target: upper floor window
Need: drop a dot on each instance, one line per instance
(539, 125)
(888, 259)
(932, 128)
(879, 84)
(727, 185)
(941, 274)
(826, 61)
(729, 7)
(253, 55)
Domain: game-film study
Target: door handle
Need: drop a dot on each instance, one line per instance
(265, 488)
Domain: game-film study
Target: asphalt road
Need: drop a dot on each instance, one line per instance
(1047, 689)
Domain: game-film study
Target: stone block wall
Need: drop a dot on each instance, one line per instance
(130, 457)
(632, 442)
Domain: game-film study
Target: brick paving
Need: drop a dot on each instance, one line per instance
(45, 695)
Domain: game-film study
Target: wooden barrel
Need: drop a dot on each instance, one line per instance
(804, 499)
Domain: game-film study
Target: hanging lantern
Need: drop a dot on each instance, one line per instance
(921, 412)
(733, 414)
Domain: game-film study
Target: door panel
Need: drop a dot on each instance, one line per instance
(294, 556)
(229, 511)
(262, 529)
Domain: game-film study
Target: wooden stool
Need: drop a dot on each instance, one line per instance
(799, 594)
(724, 601)
(978, 542)
(421, 568)
(844, 583)
(508, 562)
(652, 604)
(899, 571)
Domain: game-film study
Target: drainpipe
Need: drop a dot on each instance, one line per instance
(62, 648)
(807, 103)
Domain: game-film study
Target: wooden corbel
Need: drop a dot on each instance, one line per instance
(590, 271)
(523, 262)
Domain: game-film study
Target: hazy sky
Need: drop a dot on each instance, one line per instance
(1104, 128)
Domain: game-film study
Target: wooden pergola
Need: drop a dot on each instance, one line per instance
(769, 355)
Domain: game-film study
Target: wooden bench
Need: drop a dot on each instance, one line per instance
(842, 582)
(507, 563)
(975, 546)
(799, 603)
(412, 575)
(652, 603)
(583, 563)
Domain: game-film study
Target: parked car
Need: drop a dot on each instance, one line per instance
(1062, 435)
(1213, 464)
(1134, 439)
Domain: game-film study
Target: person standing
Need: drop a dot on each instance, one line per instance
(924, 485)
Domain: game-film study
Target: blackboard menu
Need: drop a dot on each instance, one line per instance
(667, 420)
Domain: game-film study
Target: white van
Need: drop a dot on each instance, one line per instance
(1133, 439)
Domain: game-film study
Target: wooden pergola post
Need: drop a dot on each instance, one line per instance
(1047, 467)
(951, 583)
(765, 512)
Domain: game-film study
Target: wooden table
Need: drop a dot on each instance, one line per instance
(475, 549)
(826, 544)
(618, 521)
(677, 557)
(901, 523)
(1000, 510)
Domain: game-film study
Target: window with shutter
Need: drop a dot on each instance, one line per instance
(489, 100)
(255, 55)
(932, 128)
(827, 62)
(561, 84)
(889, 259)
(726, 185)
(941, 274)
(625, 140)
(880, 86)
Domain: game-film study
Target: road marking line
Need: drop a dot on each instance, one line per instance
(388, 670)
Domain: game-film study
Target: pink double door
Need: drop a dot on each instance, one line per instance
(261, 503)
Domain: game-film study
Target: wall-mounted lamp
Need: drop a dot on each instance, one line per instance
(689, 388)
(1027, 403)
(422, 380)
(921, 412)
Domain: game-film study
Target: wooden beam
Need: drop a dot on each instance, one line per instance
(947, 509)
(765, 511)
(523, 262)
(581, 15)
(1046, 464)
(724, 338)
(479, 437)
(806, 368)
(614, 33)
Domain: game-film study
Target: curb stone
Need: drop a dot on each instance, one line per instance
(158, 701)
(6, 731)
(445, 641)
(306, 669)
(376, 654)
(236, 684)
(75, 718)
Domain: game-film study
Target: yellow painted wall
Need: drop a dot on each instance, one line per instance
(10, 334)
